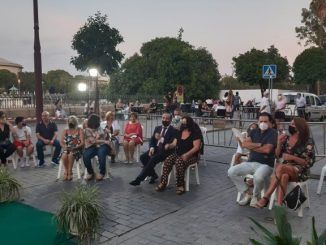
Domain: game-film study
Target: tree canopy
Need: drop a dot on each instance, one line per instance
(248, 66)
(7, 79)
(95, 44)
(310, 66)
(164, 63)
(313, 30)
(58, 81)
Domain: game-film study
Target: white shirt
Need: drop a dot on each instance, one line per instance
(300, 102)
(23, 133)
(115, 125)
(265, 102)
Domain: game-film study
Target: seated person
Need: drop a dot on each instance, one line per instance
(72, 143)
(46, 134)
(132, 137)
(95, 145)
(206, 111)
(187, 144)
(164, 134)
(6, 147)
(297, 156)
(113, 130)
(176, 120)
(23, 139)
(119, 105)
(220, 109)
(261, 142)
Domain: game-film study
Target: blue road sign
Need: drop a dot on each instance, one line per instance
(269, 71)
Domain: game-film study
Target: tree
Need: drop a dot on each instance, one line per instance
(27, 81)
(164, 63)
(310, 66)
(58, 81)
(7, 79)
(314, 29)
(248, 66)
(95, 44)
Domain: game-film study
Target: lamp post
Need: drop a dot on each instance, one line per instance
(94, 74)
(19, 87)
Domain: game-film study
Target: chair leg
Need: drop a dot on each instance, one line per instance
(78, 163)
(187, 178)
(322, 175)
(14, 160)
(300, 211)
(59, 169)
(197, 175)
(307, 195)
(34, 160)
(271, 200)
(238, 197)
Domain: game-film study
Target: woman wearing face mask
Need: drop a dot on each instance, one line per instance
(297, 156)
(279, 111)
(72, 142)
(6, 147)
(187, 145)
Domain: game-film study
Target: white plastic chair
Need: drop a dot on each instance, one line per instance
(304, 186)
(77, 164)
(138, 147)
(322, 175)
(94, 165)
(15, 157)
(204, 132)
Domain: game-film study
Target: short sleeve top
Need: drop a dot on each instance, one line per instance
(185, 145)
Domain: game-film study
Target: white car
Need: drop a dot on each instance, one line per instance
(314, 110)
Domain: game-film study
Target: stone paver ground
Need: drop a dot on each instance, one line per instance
(208, 214)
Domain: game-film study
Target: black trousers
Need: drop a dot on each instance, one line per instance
(150, 163)
(6, 151)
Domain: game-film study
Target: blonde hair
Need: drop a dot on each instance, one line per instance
(74, 120)
(109, 113)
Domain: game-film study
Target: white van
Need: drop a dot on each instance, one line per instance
(315, 110)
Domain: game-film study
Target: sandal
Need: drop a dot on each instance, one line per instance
(65, 176)
(180, 190)
(263, 202)
(69, 176)
(160, 187)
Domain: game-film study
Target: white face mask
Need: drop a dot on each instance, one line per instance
(177, 118)
(263, 126)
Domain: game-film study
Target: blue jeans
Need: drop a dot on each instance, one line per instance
(93, 151)
(40, 154)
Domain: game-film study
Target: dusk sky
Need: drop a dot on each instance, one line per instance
(225, 27)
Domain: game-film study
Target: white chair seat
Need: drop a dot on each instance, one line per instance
(322, 175)
(77, 164)
(304, 186)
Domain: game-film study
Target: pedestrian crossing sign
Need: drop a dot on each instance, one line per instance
(269, 71)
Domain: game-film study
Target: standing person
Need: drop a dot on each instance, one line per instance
(113, 129)
(229, 104)
(279, 111)
(163, 135)
(72, 142)
(46, 134)
(187, 144)
(23, 139)
(132, 137)
(300, 104)
(298, 156)
(236, 102)
(168, 101)
(265, 104)
(6, 147)
(95, 145)
(261, 143)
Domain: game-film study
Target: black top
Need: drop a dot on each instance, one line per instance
(46, 132)
(268, 136)
(5, 134)
(185, 145)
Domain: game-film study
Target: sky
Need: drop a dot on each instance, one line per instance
(226, 28)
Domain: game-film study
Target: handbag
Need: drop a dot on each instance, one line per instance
(294, 198)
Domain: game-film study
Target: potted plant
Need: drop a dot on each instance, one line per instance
(9, 186)
(80, 212)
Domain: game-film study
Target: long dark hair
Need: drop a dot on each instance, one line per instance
(93, 121)
(192, 125)
(303, 129)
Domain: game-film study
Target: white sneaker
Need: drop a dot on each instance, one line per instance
(27, 161)
(22, 163)
(253, 201)
(245, 200)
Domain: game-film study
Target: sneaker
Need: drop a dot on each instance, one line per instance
(22, 163)
(27, 162)
(153, 179)
(40, 164)
(253, 201)
(54, 162)
(245, 200)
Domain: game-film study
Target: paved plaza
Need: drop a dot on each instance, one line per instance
(208, 214)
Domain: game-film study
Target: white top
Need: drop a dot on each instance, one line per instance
(280, 104)
(217, 107)
(23, 133)
(265, 102)
(115, 125)
(300, 102)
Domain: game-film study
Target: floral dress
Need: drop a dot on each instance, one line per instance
(72, 141)
(306, 152)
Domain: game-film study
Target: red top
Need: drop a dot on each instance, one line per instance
(134, 128)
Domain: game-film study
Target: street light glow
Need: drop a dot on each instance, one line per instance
(93, 72)
(82, 87)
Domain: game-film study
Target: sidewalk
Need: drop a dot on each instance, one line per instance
(208, 214)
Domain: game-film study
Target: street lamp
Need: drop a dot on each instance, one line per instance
(19, 87)
(82, 87)
(94, 74)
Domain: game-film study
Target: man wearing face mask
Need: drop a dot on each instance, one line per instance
(176, 120)
(261, 143)
(164, 134)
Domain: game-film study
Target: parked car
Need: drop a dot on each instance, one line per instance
(315, 109)
(323, 99)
